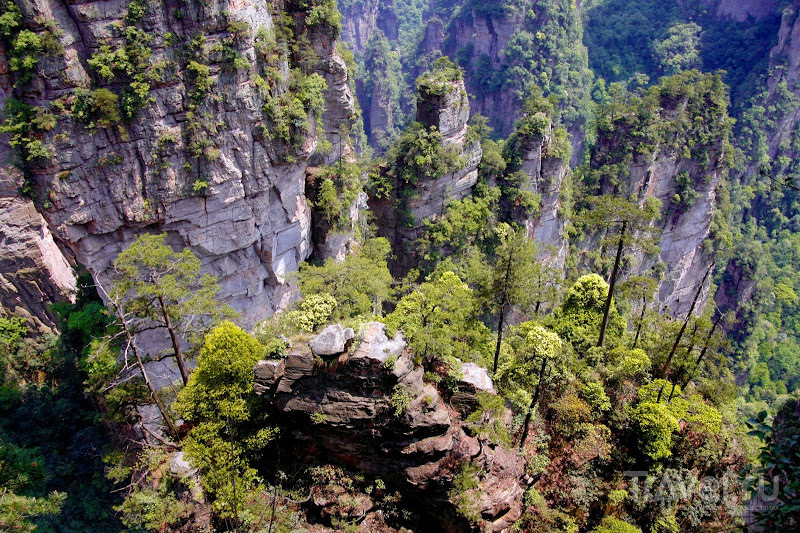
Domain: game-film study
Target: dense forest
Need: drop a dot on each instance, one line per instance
(400, 265)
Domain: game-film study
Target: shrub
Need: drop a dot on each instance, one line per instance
(315, 310)
(401, 399)
(98, 108)
(595, 396)
(24, 55)
(655, 425)
(615, 525)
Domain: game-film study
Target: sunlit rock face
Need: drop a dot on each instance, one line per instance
(240, 205)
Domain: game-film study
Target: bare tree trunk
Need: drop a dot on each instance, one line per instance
(173, 430)
(176, 345)
(534, 401)
(703, 351)
(612, 284)
(501, 319)
(153, 392)
(685, 322)
(641, 322)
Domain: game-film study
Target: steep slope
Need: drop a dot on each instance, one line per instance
(200, 122)
(505, 48)
(406, 193)
(671, 144)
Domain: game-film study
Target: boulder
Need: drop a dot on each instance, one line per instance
(332, 341)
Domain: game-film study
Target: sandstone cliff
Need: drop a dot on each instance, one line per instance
(207, 156)
(443, 108)
(673, 145)
(505, 49)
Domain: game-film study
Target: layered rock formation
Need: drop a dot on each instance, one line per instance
(33, 271)
(741, 10)
(401, 217)
(206, 168)
(645, 152)
(547, 174)
(374, 413)
(505, 50)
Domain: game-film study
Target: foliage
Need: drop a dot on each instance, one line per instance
(229, 431)
(420, 154)
(50, 439)
(615, 525)
(439, 321)
(521, 373)
(360, 283)
(314, 311)
(401, 399)
(655, 425)
(97, 108)
(131, 63)
(26, 125)
(579, 317)
(679, 51)
(164, 289)
(440, 79)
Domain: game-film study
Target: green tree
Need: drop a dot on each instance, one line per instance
(102, 361)
(360, 283)
(230, 429)
(537, 360)
(510, 279)
(633, 226)
(163, 289)
(679, 51)
(439, 320)
(580, 315)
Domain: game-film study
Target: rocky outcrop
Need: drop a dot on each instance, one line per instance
(401, 217)
(546, 178)
(373, 412)
(684, 252)
(33, 271)
(741, 10)
(677, 164)
(361, 19)
(204, 168)
(547, 51)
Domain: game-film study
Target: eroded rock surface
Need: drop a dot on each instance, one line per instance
(239, 205)
(418, 442)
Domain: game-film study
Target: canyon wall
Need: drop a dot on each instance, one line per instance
(209, 168)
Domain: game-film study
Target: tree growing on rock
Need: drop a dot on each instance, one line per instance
(629, 228)
(510, 280)
(230, 428)
(537, 360)
(163, 289)
(360, 283)
(439, 320)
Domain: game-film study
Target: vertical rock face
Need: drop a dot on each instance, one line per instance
(446, 110)
(206, 170)
(506, 51)
(33, 271)
(546, 174)
(683, 251)
(419, 446)
(741, 10)
(681, 162)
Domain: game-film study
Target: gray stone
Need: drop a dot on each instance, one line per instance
(179, 466)
(268, 373)
(331, 341)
